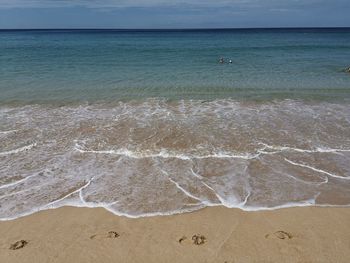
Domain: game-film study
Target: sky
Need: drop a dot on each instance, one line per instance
(173, 13)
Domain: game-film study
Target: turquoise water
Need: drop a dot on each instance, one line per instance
(70, 66)
(148, 123)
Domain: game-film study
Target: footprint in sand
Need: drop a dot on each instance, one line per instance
(280, 235)
(19, 244)
(110, 234)
(199, 239)
(196, 240)
(182, 240)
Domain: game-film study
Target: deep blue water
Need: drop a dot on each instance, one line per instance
(40, 66)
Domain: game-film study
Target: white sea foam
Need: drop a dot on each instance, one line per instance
(196, 174)
(325, 179)
(221, 199)
(317, 170)
(18, 150)
(278, 149)
(17, 182)
(163, 153)
(79, 190)
(108, 207)
(201, 146)
(142, 215)
(304, 203)
(7, 132)
(184, 191)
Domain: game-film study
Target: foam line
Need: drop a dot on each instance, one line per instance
(305, 203)
(184, 191)
(222, 201)
(17, 182)
(7, 132)
(196, 175)
(193, 204)
(165, 154)
(48, 207)
(245, 199)
(286, 148)
(246, 156)
(16, 193)
(21, 149)
(76, 191)
(152, 214)
(301, 180)
(317, 170)
(81, 191)
(179, 187)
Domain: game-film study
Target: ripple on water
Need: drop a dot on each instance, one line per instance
(154, 157)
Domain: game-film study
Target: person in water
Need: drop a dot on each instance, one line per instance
(222, 61)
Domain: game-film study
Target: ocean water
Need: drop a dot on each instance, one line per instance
(149, 123)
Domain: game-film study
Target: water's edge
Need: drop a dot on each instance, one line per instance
(160, 157)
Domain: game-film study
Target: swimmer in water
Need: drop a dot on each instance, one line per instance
(221, 60)
(230, 61)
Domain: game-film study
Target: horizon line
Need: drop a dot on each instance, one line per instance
(182, 29)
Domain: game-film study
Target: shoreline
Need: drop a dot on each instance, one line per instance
(212, 234)
(177, 213)
(160, 157)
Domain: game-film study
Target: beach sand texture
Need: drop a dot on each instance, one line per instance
(216, 234)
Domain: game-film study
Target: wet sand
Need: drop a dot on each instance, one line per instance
(216, 234)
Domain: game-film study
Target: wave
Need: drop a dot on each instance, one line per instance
(166, 154)
(304, 203)
(159, 157)
(18, 150)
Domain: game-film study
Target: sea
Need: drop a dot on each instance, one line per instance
(149, 122)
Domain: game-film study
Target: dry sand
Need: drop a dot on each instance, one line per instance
(69, 234)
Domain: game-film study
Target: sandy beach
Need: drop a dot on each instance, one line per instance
(217, 234)
(181, 131)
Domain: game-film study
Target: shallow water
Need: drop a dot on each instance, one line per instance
(149, 157)
(77, 66)
(149, 123)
